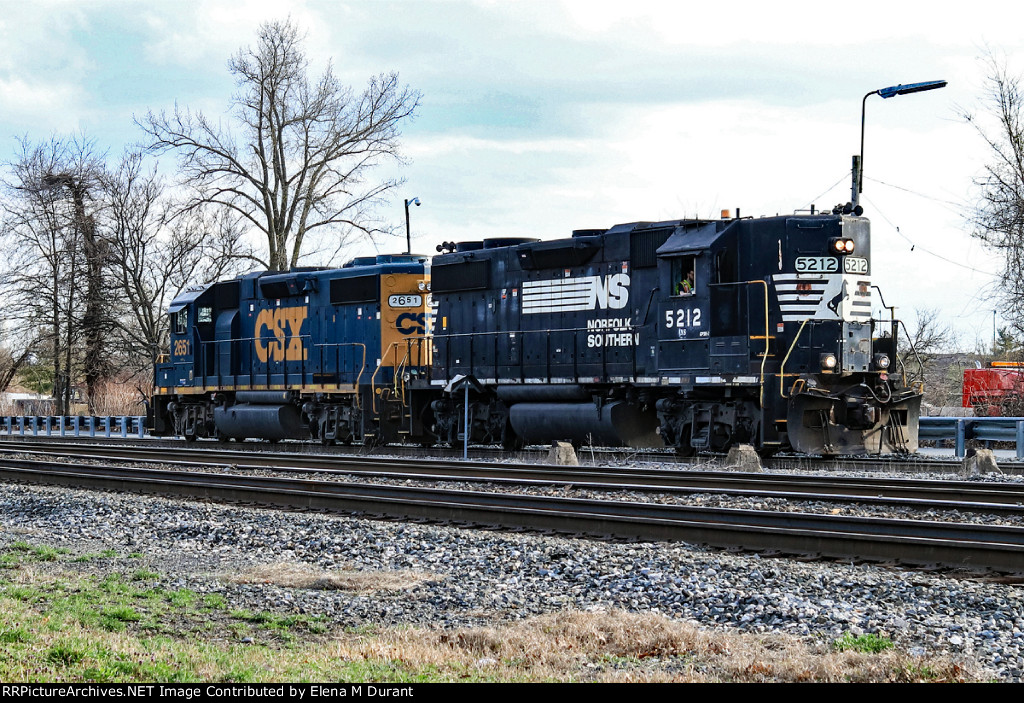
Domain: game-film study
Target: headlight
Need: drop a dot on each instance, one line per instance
(842, 245)
(422, 285)
(828, 361)
(881, 361)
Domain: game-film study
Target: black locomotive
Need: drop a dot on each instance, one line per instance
(693, 334)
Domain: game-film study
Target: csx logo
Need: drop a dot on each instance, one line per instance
(412, 323)
(284, 325)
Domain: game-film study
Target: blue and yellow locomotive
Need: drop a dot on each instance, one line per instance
(312, 353)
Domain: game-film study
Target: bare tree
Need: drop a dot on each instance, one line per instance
(154, 255)
(79, 183)
(43, 234)
(930, 336)
(997, 219)
(15, 351)
(303, 149)
(929, 339)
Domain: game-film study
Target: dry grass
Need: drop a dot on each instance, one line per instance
(619, 646)
(298, 575)
(114, 398)
(611, 646)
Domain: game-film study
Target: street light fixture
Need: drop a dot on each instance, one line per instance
(408, 237)
(886, 93)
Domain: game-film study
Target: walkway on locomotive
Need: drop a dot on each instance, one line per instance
(314, 330)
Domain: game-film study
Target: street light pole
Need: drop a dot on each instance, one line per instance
(886, 93)
(408, 236)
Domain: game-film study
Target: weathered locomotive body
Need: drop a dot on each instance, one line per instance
(311, 353)
(697, 334)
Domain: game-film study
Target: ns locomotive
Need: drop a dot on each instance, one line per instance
(694, 334)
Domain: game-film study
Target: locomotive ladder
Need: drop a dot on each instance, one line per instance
(393, 404)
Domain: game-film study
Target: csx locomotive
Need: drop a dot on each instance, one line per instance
(694, 334)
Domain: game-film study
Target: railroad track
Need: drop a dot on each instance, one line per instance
(592, 455)
(912, 542)
(965, 496)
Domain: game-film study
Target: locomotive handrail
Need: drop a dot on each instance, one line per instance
(398, 365)
(362, 364)
(894, 327)
(764, 358)
(782, 368)
(251, 376)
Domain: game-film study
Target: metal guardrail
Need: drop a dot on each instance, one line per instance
(73, 426)
(983, 429)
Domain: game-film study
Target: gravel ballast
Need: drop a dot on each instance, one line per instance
(473, 577)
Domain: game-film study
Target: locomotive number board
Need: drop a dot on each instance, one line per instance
(817, 264)
(405, 301)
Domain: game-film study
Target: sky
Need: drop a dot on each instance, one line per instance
(541, 117)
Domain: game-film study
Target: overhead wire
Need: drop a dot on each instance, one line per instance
(826, 192)
(975, 298)
(958, 207)
(914, 245)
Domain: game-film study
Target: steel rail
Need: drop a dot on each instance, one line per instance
(985, 547)
(908, 463)
(1003, 498)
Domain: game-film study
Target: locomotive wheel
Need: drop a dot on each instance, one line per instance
(684, 448)
(510, 441)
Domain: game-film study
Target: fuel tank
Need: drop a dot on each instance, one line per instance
(264, 421)
(614, 424)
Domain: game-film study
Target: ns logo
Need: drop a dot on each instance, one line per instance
(283, 326)
(610, 293)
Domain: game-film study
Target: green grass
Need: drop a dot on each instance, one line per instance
(866, 644)
(214, 601)
(92, 556)
(54, 628)
(20, 553)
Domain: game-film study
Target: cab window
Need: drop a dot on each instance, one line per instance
(684, 281)
(181, 321)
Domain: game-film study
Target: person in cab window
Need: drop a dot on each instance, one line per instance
(685, 286)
